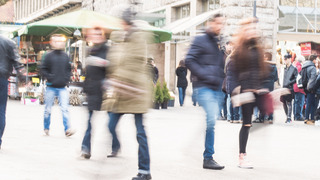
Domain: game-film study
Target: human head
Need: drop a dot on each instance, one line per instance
(58, 41)
(229, 47)
(127, 17)
(216, 23)
(287, 59)
(312, 58)
(182, 63)
(267, 56)
(249, 29)
(150, 61)
(300, 59)
(95, 35)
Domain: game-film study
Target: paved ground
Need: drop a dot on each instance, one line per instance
(176, 140)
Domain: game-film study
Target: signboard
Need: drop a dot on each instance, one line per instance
(305, 49)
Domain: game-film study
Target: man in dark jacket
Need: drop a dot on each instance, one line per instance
(205, 61)
(56, 69)
(289, 78)
(9, 57)
(310, 91)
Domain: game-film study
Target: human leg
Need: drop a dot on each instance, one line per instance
(86, 142)
(113, 121)
(49, 100)
(3, 105)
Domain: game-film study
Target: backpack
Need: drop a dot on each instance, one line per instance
(304, 78)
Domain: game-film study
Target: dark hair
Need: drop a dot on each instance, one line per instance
(268, 55)
(287, 56)
(213, 17)
(182, 63)
(312, 57)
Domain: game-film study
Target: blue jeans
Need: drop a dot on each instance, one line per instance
(311, 106)
(143, 152)
(63, 96)
(3, 104)
(233, 113)
(182, 94)
(210, 100)
(298, 105)
(86, 142)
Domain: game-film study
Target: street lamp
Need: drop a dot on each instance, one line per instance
(255, 8)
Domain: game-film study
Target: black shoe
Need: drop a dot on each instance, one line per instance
(211, 164)
(142, 177)
(85, 155)
(257, 121)
(113, 154)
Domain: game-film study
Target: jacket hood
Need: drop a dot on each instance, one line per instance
(307, 64)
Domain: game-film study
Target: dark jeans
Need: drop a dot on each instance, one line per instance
(311, 106)
(194, 96)
(223, 106)
(182, 94)
(287, 105)
(86, 142)
(234, 112)
(298, 105)
(3, 104)
(143, 152)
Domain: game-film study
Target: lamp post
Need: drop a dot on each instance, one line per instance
(255, 8)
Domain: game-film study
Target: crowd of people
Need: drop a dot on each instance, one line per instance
(241, 69)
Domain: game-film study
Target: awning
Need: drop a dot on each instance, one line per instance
(186, 24)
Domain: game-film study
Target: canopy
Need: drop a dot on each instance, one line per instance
(69, 22)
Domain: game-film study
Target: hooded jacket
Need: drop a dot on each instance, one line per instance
(312, 76)
(181, 72)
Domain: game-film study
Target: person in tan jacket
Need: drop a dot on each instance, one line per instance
(129, 78)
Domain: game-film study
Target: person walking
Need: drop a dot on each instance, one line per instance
(299, 94)
(182, 81)
(289, 79)
(311, 71)
(231, 83)
(154, 70)
(205, 60)
(268, 82)
(9, 59)
(193, 80)
(250, 69)
(56, 68)
(95, 70)
(130, 78)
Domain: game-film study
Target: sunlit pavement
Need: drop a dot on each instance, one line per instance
(176, 142)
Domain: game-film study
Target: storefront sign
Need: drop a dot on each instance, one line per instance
(305, 49)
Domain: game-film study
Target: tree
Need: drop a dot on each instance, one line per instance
(3, 2)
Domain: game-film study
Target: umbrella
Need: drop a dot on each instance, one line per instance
(68, 23)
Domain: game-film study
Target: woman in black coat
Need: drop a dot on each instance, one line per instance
(95, 73)
(182, 83)
(250, 69)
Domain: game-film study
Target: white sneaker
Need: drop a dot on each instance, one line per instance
(46, 132)
(243, 162)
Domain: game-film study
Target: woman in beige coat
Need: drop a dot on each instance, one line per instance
(131, 86)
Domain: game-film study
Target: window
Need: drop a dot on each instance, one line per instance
(183, 11)
(209, 5)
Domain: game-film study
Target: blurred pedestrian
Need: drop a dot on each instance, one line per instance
(206, 62)
(311, 76)
(250, 69)
(56, 68)
(153, 69)
(289, 79)
(9, 58)
(231, 82)
(193, 80)
(182, 81)
(130, 78)
(95, 72)
(269, 81)
(299, 94)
